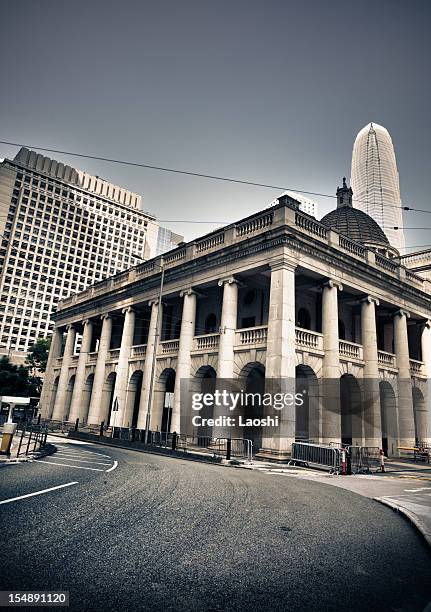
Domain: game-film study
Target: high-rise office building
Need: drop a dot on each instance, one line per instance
(61, 231)
(375, 181)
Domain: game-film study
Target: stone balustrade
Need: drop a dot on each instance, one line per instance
(169, 346)
(206, 342)
(114, 353)
(138, 350)
(251, 335)
(92, 357)
(209, 243)
(308, 339)
(387, 360)
(278, 216)
(416, 367)
(351, 350)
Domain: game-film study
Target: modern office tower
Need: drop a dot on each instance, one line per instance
(61, 231)
(167, 240)
(375, 181)
(305, 204)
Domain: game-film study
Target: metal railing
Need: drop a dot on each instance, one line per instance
(362, 459)
(321, 455)
(33, 438)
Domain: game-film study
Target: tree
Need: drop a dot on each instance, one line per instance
(15, 380)
(37, 357)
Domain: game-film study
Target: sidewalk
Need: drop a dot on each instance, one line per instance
(14, 458)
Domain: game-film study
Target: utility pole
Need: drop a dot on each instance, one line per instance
(156, 341)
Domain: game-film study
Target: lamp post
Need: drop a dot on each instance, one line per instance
(156, 341)
(153, 364)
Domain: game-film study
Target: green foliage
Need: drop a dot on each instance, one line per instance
(16, 380)
(37, 357)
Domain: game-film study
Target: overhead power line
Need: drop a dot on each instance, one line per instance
(213, 177)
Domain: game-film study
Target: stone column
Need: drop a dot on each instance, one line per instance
(95, 410)
(227, 327)
(331, 413)
(76, 408)
(426, 358)
(148, 365)
(122, 379)
(405, 400)
(188, 322)
(54, 353)
(59, 406)
(371, 413)
(281, 357)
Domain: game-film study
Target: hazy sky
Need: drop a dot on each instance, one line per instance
(270, 91)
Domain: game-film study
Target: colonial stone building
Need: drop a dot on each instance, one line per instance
(278, 295)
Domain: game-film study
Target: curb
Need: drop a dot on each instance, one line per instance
(410, 516)
(155, 451)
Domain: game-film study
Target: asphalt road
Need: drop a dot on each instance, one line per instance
(157, 533)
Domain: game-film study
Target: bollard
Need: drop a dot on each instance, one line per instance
(174, 440)
(228, 448)
(382, 460)
(343, 462)
(76, 424)
(101, 429)
(9, 430)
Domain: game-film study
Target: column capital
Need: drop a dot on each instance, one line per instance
(369, 299)
(228, 280)
(70, 326)
(153, 302)
(427, 323)
(86, 322)
(105, 316)
(402, 313)
(331, 283)
(189, 291)
(127, 309)
(280, 264)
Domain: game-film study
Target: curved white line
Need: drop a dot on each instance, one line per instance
(113, 467)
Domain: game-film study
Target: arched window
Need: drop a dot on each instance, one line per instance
(211, 323)
(304, 319)
(341, 330)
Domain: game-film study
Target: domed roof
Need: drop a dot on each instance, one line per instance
(352, 222)
(355, 224)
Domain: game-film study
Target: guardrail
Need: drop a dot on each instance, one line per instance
(31, 435)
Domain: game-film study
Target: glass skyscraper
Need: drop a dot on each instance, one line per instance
(375, 181)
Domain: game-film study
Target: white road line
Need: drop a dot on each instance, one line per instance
(58, 453)
(80, 460)
(113, 467)
(7, 501)
(78, 467)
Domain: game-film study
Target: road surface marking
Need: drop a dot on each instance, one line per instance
(7, 501)
(417, 490)
(78, 467)
(62, 449)
(113, 467)
(80, 460)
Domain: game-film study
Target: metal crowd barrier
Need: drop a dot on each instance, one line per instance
(321, 455)
(363, 459)
(233, 447)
